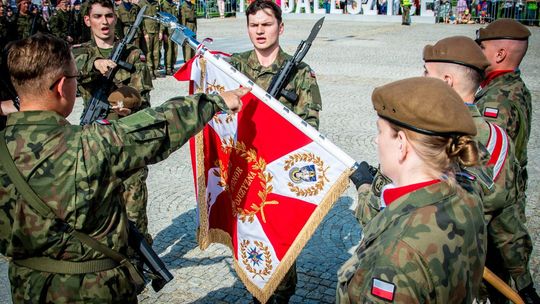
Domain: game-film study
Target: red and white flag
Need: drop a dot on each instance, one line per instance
(262, 185)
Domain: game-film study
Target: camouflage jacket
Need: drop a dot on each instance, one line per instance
(428, 246)
(24, 26)
(303, 83)
(150, 26)
(60, 24)
(91, 79)
(506, 101)
(78, 172)
(188, 15)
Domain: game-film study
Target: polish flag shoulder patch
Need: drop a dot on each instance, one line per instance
(382, 289)
(491, 112)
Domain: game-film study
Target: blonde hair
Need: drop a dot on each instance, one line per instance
(441, 153)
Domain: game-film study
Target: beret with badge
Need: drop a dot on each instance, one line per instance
(125, 97)
(458, 50)
(503, 29)
(425, 105)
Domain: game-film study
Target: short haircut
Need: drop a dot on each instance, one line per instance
(258, 5)
(33, 62)
(104, 3)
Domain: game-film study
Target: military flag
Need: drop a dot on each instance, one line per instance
(263, 186)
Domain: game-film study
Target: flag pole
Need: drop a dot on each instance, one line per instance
(182, 34)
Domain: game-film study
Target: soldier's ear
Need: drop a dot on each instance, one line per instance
(281, 28)
(87, 20)
(501, 55)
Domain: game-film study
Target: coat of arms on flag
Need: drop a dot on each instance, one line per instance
(262, 185)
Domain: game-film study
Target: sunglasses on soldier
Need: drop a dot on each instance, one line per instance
(58, 80)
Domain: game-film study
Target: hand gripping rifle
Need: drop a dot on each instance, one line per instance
(98, 107)
(280, 80)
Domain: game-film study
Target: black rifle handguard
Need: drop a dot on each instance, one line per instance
(149, 257)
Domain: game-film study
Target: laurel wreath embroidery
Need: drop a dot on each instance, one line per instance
(267, 259)
(258, 165)
(321, 177)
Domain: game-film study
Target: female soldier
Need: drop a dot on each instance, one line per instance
(428, 244)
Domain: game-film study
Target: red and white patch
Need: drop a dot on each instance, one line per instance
(143, 57)
(498, 146)
(491, 112)
(312, 73)
(382, 289)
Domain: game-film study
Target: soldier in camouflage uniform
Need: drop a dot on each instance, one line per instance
(152, 35)
(188, 17)
(92, 62)
(77, 172)
(169, 46)
(261, 64)
(505, 100)
(127, 13)
(428, 246)
(60, 21)
(460, 62)
(24, 20)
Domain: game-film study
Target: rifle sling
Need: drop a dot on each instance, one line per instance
(58, 266)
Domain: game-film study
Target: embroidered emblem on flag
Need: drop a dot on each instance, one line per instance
(497, 146)
(383, 289)
(262, 188)
(491, 112)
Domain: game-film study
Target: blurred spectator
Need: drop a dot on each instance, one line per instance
(532, 12)
(61, 21)
(482, 11)
(466, 17)
(221, 8)
(445, 10)
(461, 7)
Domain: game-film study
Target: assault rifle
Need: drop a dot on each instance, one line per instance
(98, 107)
(280, 80)
(149, 257)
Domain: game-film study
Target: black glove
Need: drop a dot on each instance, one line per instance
(362, 175)
(529, 295)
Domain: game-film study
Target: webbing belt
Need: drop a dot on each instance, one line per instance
(59, 266)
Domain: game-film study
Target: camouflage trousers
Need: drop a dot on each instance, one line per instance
(111, 286)
(171, 53)
(154, 51)
(136, 199)
(187, 51)
(509, 250)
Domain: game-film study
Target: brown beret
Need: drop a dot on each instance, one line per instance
(459, 50)
(503, 29)
(129, 97)
(424, 104)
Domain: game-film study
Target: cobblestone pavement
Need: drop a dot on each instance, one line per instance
(350, 58)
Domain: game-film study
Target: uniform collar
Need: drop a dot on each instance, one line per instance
(253, 61)
(495, 75)
(473, 109)
(36, 118)
(405, 205)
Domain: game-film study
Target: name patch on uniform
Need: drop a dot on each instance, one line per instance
(491, 112)
(382, 289)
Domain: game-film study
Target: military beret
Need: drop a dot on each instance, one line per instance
(459, 50)
(424, 104)
(503, 29)
(126, 97)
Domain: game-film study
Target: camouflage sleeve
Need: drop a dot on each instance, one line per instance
(309, 97)
(147, 136)
(54, 26)
(369, 199)
(513, 242)
(501, 112)
(84, 59)
(141, 79)
(404, 272)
